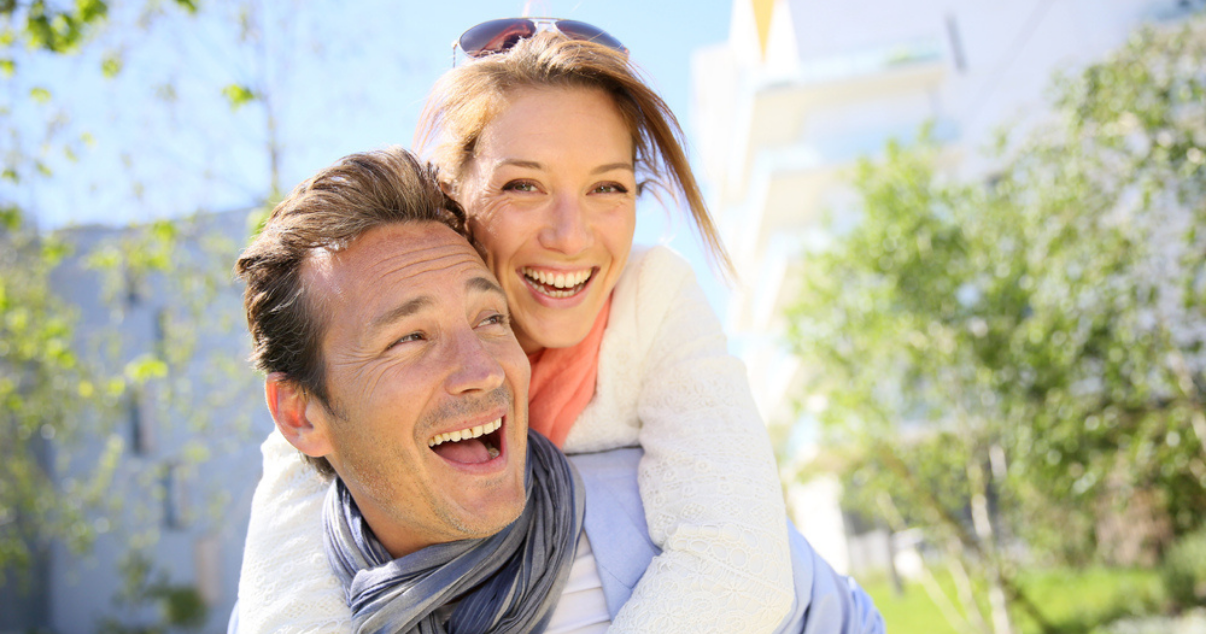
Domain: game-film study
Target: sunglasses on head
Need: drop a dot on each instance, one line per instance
(497, 36)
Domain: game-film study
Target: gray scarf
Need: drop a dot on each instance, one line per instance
(506, 583)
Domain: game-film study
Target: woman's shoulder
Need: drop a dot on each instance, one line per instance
(657, 283)
(653, 266)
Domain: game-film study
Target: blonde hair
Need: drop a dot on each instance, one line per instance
(466, 99)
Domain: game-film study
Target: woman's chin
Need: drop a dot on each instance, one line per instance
(544, 322)
(564, 331)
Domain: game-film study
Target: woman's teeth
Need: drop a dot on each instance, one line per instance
(558, 285)
(465, 434)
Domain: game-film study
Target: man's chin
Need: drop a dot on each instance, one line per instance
(494, 514)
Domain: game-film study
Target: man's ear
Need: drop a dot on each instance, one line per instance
(290, 407)
(448, 189)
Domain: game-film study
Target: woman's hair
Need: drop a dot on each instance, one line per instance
(466, 99)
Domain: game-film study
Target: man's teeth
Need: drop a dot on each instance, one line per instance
(558, 280)
(465, 434)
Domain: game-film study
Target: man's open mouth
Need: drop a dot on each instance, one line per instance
(472, 445)
(557, 285)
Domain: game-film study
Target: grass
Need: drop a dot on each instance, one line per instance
(1074, 601)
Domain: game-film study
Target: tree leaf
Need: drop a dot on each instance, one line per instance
(238, 95)
(111, 65)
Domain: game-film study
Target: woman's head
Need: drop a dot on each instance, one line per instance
(520, 109)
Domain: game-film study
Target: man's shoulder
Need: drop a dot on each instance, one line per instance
(613, 464)
(615, 522)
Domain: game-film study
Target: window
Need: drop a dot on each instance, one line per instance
(139, 422)
(175, 497)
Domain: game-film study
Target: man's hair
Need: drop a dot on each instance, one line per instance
(358, 193)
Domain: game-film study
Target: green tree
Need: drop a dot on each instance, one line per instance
(43, 383)
(43, 386)
(187, 115)
(1022, 362)
(62, 394)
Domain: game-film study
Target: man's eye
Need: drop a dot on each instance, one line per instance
(497, 319)
(414, 336)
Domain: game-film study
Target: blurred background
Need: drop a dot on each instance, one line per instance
(972, 278)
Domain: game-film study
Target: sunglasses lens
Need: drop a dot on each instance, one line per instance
(583, 31)
(495, 36)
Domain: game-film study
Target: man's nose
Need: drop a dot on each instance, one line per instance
(474, 368)
(567, 229)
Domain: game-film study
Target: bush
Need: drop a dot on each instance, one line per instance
(1184, 570)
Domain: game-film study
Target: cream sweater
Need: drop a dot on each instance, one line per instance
(708, 479)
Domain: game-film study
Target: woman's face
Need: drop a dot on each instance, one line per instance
(551, 199)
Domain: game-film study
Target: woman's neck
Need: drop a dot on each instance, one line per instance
(529, 347)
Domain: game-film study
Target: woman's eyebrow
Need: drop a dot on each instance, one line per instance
(536, 165)
(613, 166)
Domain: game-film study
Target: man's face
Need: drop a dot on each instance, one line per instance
(418, 352)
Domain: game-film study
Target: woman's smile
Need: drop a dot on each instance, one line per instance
(557, 284)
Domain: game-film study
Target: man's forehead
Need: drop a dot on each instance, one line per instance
(386, 258)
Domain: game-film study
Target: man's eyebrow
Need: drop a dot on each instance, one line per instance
(410, 307)
(400, 312)
(483, 285)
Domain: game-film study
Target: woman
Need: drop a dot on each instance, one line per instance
(546, 145)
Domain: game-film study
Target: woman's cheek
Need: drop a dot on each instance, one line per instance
(490, 223)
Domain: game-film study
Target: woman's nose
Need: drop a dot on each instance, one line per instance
(567, 229)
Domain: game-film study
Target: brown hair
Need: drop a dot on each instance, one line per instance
(467, 98)
(342, 202)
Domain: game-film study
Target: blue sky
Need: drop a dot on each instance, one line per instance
(159, 140)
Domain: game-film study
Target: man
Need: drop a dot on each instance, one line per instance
(391, 365)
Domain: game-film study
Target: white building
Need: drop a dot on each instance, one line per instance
(803, 88)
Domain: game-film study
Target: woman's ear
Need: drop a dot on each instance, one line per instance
(291, 411)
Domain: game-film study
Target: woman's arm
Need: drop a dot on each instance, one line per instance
(286, 584)
(708, 480)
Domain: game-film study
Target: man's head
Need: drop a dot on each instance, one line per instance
(388, 352)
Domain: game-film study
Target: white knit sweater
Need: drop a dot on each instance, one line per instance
(708, 479)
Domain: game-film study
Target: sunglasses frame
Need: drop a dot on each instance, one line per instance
(536, 24)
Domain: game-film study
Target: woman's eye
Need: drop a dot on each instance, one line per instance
(611, 188)
(520, 186)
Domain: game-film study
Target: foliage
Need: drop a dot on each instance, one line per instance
(1077, 600)
(1017, 362)
(54, 27)
(179, 606)
(42, 388)
(65, 389)
(1184, 570)
(49, 390)
(64, 393)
